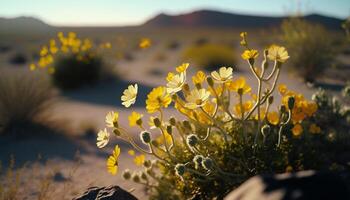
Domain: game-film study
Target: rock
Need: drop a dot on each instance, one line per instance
(305, 185)
(106, 193)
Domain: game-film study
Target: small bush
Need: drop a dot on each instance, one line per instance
(23, 101)
(310, 46)
(173, 45)
(18, 59)
(210, 56)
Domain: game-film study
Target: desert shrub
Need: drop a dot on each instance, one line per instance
(228, 132)
(73, 62)
(173, 45)
(18, 59)
(23, 101)
(210, 56)
(309, 56)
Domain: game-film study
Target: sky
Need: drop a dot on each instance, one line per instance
(134, 12)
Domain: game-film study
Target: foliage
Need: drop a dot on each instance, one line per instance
(73, 62)
(210, 56)
(228, 132)
(309, 56)
(23, 100)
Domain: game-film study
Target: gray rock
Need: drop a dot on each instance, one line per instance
(305, 185)
(106, 193)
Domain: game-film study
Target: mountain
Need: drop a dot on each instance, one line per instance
(209, 18)
(23, 25)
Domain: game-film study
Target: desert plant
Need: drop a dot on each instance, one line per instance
(73, 62)
(228, 133)
(310, 57)
(210, 56)
(18, 59)
(23, 100)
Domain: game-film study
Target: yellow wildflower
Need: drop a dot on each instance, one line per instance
(139, 160)
(112, 119)
(134, 118)
(239, 85)
(246, 107)
(170, 76)
(199, 78)
(277, 53)
(145, 43)
(282, 88)
(182, 68)
(197, 98)
(129, 95)
(297, 130)
(131, 152)
(157, 99)
(112, 162)
(250, 54)
(224, 74)
(32, 67)
(102, 138)
(314, 129)
(273, 117)
(175, 83)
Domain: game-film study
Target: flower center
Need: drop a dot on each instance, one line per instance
(199, 101)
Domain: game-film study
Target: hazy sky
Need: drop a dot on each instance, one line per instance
(132, 12)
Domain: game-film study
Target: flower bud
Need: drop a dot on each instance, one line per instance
(139, 122)
(144, 176)
(240, 91)
(147, 164)
(265, 130)
(197, 161)
(169, 129)
(149, 171)
(126, 174)
(210, 81)
(116, 132)
(145, 137)
(174, 97)
(270, 99)
(180, 169)
(283, 109)
(187, 124)
(192, 140)
(136, 178)
(172, 121)
(251, 61)
(207, 164)
(291, 102)
(198, 86)
(157, 122)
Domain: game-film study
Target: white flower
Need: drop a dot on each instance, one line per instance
(102, 138)
(223, 75)
(197, 98)
(175, 83)
(112, 119)
(129, 95)
(277, 53)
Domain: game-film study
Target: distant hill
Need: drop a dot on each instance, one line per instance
(23, 25)
(209, 18)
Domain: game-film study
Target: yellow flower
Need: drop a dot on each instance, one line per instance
(131, 152)
(183, 67)
(282, 88)
(277, 53)
(134, 118)
(224, 74)
(310, 108)
(239, 85)
(250, 54)
(129, 95)
(102, 138)
(175, 83)
(197, 98)
(199, 78)
(314, 129)
(297, 130)
(112, 162)
(112, 119)
(273, 118)
(32, 67)
(246, 107)
(145, 43)
(139, 160)
(170, 76)
(157, 99)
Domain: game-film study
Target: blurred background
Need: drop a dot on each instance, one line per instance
(64, 65)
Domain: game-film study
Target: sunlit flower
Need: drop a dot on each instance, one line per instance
(139, 160)
(102, 138)
(183, 67)
(250, 54)
(129, 95)
(157, 99)
(197, 98)
(112, 162)
(145, 43)
(112, 119)
(314, 129)
(131, 152)
(134, 119)
(224, 74)
(282, 88)
(277, 53)
(199, 78)
(273, 118)
(175, 83)
(239, 85)
(297, 130)
(32, 67)
(246, 107)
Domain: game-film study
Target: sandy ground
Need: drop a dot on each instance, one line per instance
(87, 108)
